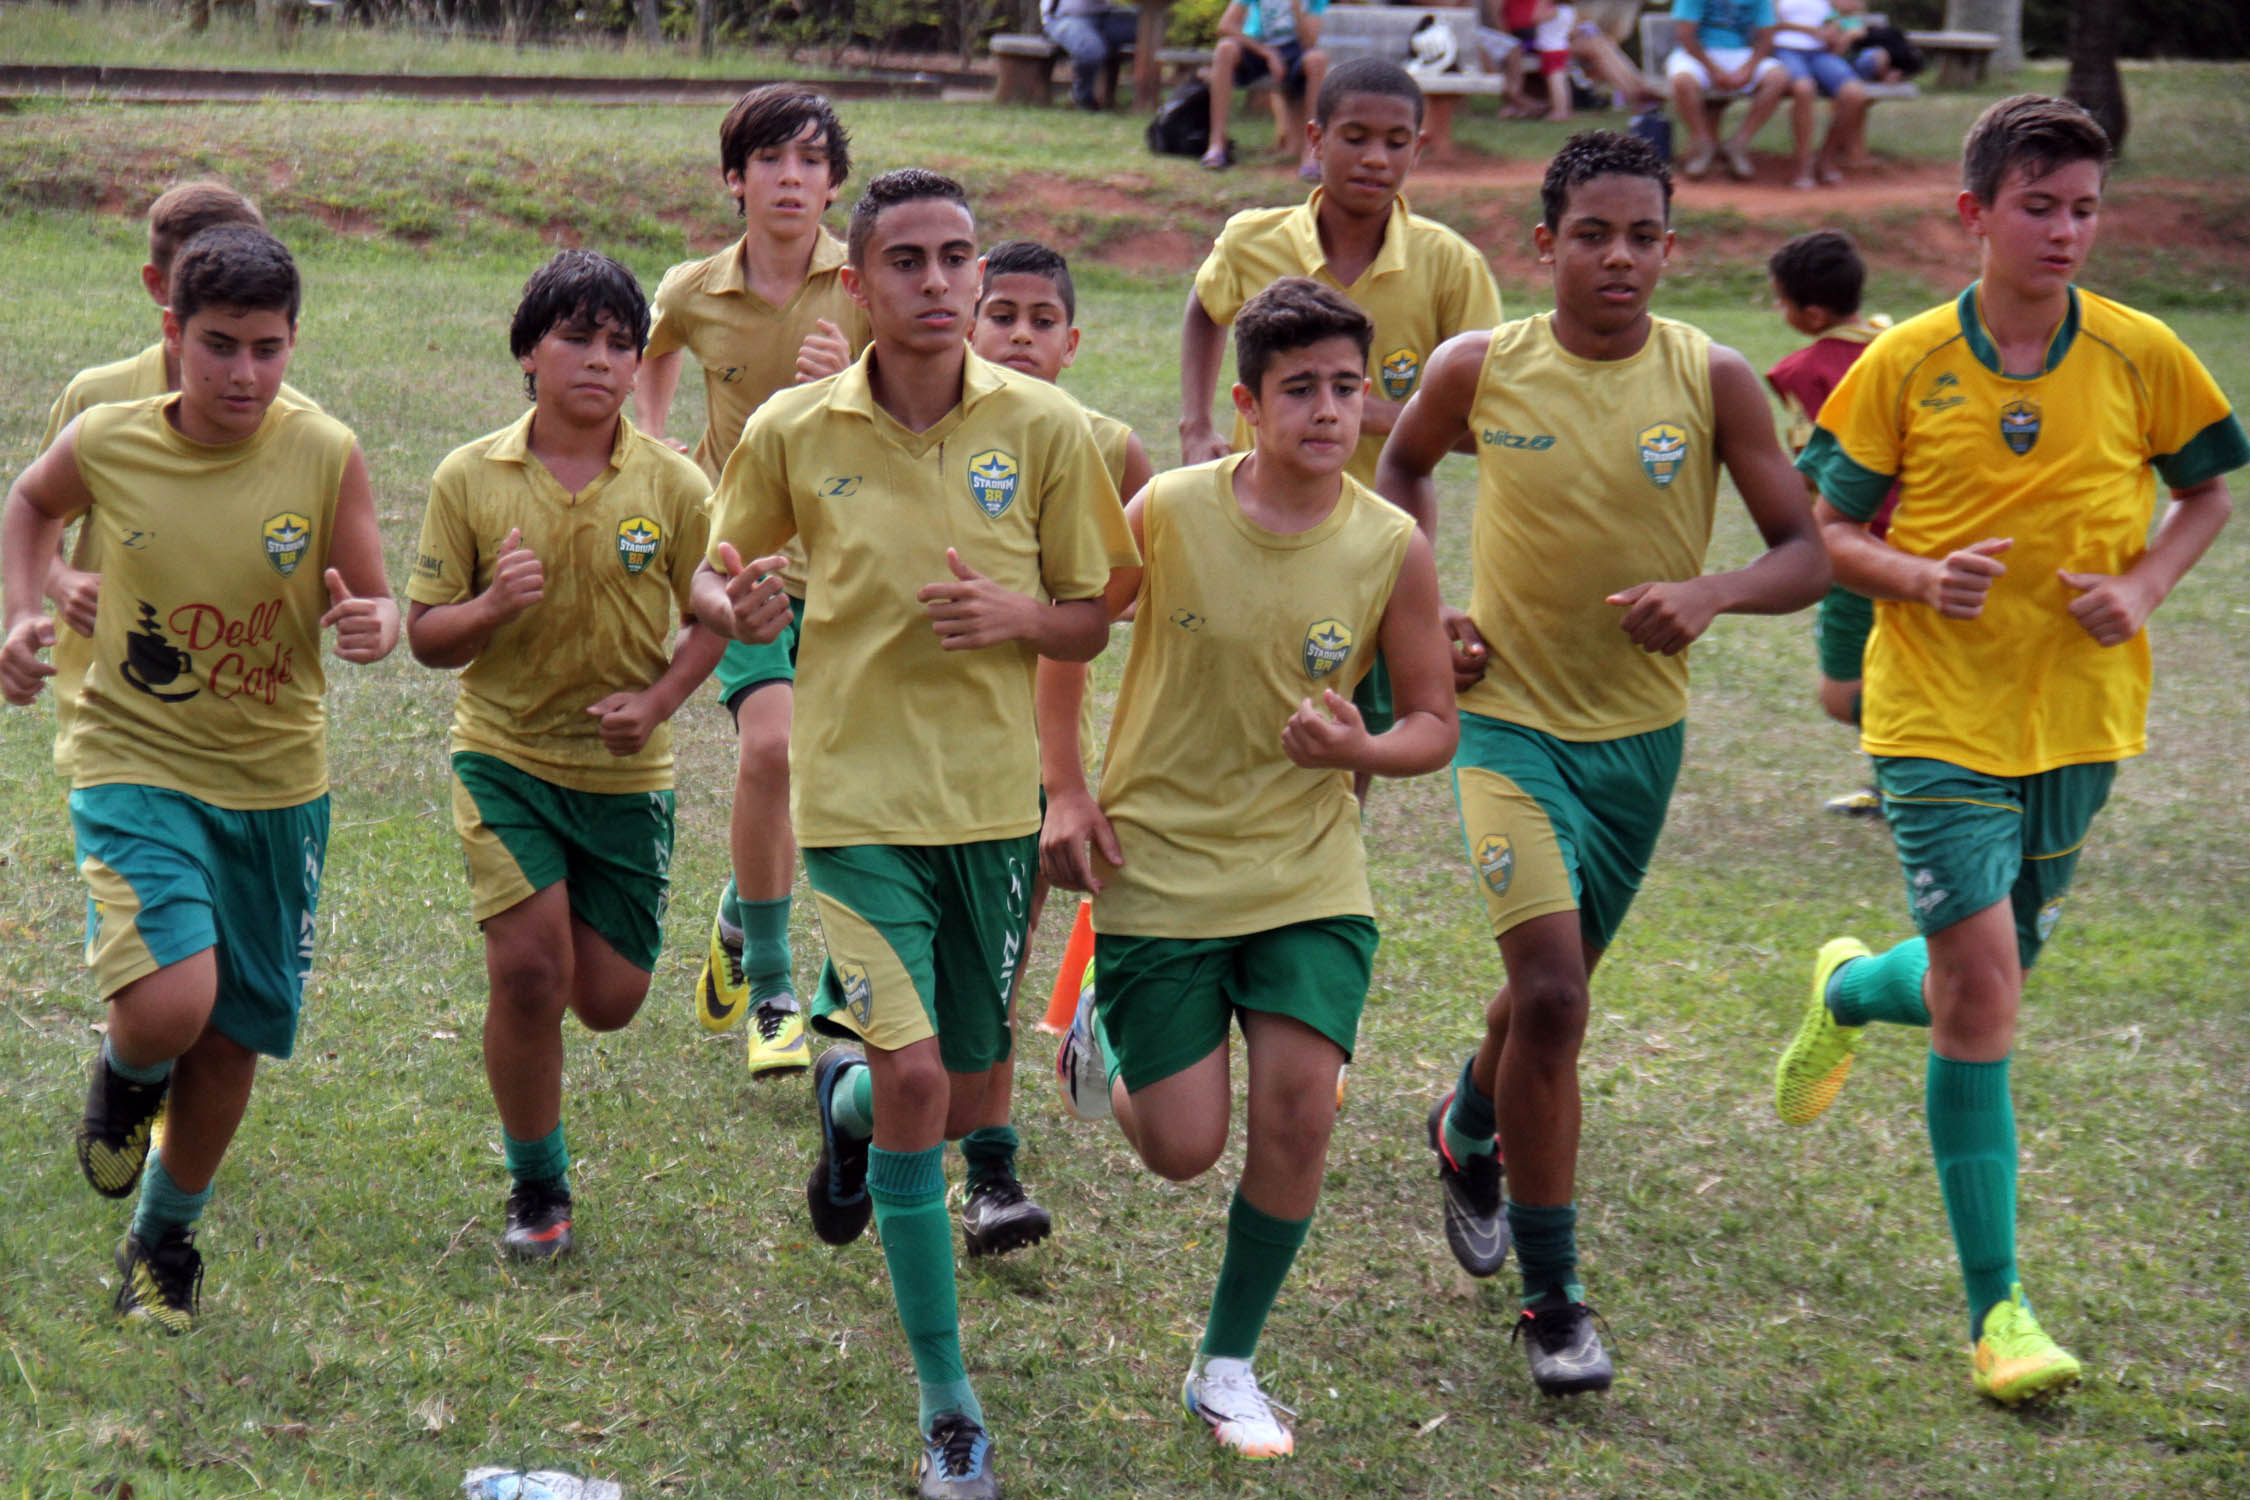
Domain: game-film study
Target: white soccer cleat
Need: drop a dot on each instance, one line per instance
(1225, 1394)
(1078, 1064)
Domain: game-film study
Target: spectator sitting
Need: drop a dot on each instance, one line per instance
(1092, 32)
(1805, 44)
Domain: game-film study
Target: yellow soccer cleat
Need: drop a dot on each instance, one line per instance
(777, 1037)
(721, 994)
(2015, 1360)
(1818, 1059)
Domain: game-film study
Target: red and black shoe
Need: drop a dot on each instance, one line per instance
(538, 1221)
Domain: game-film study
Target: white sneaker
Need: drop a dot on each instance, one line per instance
(1078, 1064)
(1224, 1393)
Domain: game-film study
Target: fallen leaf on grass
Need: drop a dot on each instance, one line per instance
(1432, 1425)
(435, 1414)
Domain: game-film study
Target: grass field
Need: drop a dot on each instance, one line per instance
(1784, 1306)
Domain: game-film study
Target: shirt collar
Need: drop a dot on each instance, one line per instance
(1970, 308)
(514, 444)
(853, 391)
(1304, 232)
(731, 277)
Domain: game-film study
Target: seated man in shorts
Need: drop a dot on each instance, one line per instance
(1726, 46)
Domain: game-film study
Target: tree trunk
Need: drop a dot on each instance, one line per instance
(2003, 18)
(652, 22)
(2094, 81)
(703, 28)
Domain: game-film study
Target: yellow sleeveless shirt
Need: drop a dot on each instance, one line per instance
(1592, 476)
(1223, 834)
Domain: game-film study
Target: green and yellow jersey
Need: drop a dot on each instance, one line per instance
(1592, 476)
(207, 676)
(893, 740)
(617, 558)
(2064, 461)
(1235, 626)
(1426, 285)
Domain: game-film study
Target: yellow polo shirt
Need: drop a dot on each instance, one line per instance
(2065, 461)
(891, 739)
(1425, 285)
(617, 557)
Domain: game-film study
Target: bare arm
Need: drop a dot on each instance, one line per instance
(652, 394)
(1202, 347)
(1433, 423)
(1073, 819)
(1427, 726)
(40, 503)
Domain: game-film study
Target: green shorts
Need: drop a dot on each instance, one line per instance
(745, 666)
(1967, 840)
(1840, 628)
(1373, 697)
(613, 849)
(169, 875)
(923, 941)
(1562, 825)
(1166, 1003)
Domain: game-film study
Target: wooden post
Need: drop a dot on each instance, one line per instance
(1148, 40)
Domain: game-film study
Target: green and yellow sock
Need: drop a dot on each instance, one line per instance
(1886, 986)
(1260, 1251)
(909, 1192)
(1972, 1121)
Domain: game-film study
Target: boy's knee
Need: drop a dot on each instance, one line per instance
(528, 980)
(913, 1085)
(611, 1007)
(762, 756)
(1181, 1157)
(1548, 1010)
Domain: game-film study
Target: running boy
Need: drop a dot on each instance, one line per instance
(1600, 433)
(1817, 282)
(2008, 672)
(941, 502)
(555, 558)
(1254, 906)
(1027, 321)
(765, 313)
(178, 215)
(199, 773)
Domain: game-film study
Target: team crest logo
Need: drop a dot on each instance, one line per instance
(1663, 452)
(2019, 426)
(2049, 915)
(1327, 643)
(637, 540)
(1496, 862)
(992, 481)
(1944, 393)
(287, 537)
(1400, 369)
(859, 992)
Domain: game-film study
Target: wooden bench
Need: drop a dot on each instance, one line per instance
(1026, 70)
(1348, 31)
(1657, 36)
(1962, 57)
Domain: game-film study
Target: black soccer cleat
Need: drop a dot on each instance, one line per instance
(1476, 1221)
(1566, 1354)
(836, 1193)
(538, 1221)
(114, 1133)
(162, 1283)
(1000, 1217)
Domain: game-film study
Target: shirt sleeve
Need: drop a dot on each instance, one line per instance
(752, 507)
(667, 329)
(693, 509)
(2193, 434)
(1688, 10)
(1082, 530)
(1854, 455)
(445, 556)
(1218, 284)
(1477, 296)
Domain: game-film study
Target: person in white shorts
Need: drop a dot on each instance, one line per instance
(1727, 46)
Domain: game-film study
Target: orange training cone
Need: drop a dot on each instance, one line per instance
(1078, 957)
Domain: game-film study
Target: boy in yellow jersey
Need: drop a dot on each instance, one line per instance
(554, 563)
(1600, 432)
(1417, 280)
(767, 312)
(942, 504)
(1027, 320)
(1271, 579)
(178, 215)
(233, 528)
(2026, 426)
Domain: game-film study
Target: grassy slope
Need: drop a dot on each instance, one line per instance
(1785, 1306)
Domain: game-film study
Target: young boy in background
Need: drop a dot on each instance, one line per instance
(763, 314)
(199, 774)
(957, 526)
(1027, 321)
(1250, 904)
(1818, 279)
(554, 563)
(178, 215)
(2024, 426)
(1274, 40)
(1600, 431)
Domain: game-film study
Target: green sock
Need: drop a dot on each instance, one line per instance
(1260, 1251)
(1469, 1128)
(909, 1192)
(851, 1103)
(163, 1204)
(1884, 987)
(990, 1151)
(730, 913)
(1546, 1236)
(544, 1160)
(765, 947)
(1973, 1136)
(1102, 1052)
(155, 1072)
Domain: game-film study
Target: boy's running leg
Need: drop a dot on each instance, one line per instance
(530, 962)
(999, 1215)
(152, 1022)
(160, 1272)
(748, 966)
(1850, 988)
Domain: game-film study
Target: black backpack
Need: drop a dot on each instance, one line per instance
(1182, 124)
